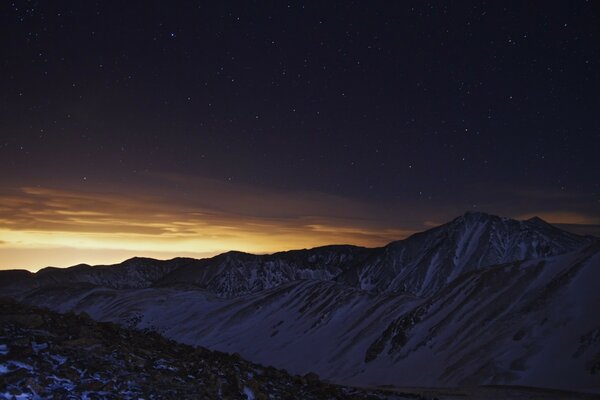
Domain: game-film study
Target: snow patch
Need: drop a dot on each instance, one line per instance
(38, 346)
(249, 393)
(60, 360)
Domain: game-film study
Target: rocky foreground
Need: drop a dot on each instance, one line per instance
(45, 355)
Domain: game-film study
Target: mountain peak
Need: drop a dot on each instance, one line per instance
(537, 220)
(139, 260)
(483, 216)
(478, 215)
(475, 216)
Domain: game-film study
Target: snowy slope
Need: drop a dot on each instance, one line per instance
(532, 323)
(274, 327)
(527, 323)
(47, 356)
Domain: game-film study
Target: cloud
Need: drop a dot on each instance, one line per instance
(166, 216)
(581, 229)
(563, 217)
(178, 215)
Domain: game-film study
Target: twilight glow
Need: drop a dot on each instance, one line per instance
(59, 227)
(42, 226)
(190, 130)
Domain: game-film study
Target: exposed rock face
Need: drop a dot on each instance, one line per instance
(44, 355)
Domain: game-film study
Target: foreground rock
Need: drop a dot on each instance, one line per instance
(66, 356)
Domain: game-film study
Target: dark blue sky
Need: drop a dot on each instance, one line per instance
(424, 106)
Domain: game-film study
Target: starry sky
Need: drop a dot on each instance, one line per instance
(163, 129)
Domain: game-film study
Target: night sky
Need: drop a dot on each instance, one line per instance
(189, 128)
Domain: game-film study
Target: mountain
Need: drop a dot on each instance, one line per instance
(531, 323)
(44, 355)
(136, 272)
(235, 273)
(425, 262)
(480, 300)
(228, 275)
(419, 265)
(500, 325)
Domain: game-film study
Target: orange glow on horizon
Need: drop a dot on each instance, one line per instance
(47, 227)
(195, 217)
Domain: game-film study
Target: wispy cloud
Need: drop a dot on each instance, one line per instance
(206, 217)
(563, 217)
(167, 216)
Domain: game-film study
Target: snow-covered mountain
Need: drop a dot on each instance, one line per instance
(427, 261)
(527, 323)
(480, 300)
(533, 323)
(234, 273)
(136, 272)
(420, 264)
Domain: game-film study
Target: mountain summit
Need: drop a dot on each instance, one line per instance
(426, 261)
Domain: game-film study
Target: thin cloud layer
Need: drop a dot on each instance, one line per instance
(166, 216)
(148, 223)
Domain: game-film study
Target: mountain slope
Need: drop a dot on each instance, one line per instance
(480, 300)
(531, 323)
(499, 325)
(44, 355)
(274, 326)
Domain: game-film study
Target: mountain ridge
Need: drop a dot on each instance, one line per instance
(420, 264)
(478, 300)
(499, 325)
